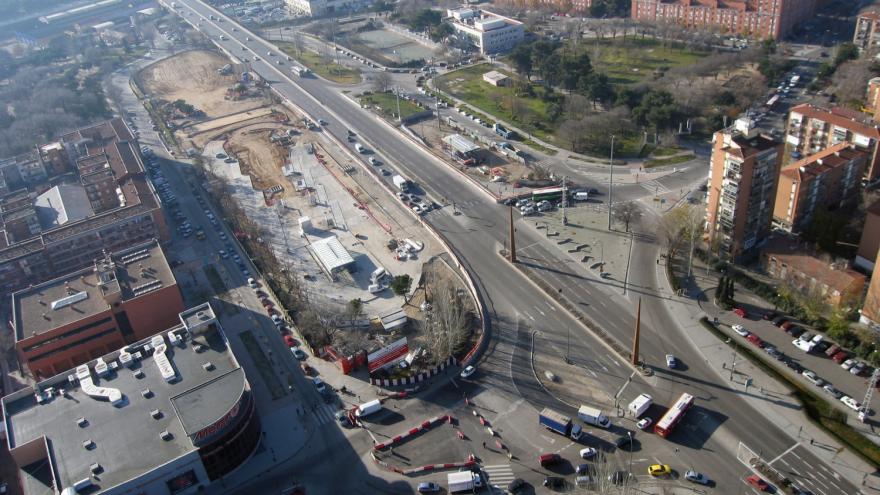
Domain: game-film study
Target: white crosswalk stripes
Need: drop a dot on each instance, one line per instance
(654, 187)
(499, 475)
(325, 413)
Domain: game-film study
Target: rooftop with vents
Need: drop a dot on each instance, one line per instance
(129, 411)
(118, 277)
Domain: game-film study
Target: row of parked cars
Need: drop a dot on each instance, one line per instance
(807, 342)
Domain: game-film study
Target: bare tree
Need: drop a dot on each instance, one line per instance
(447, 320)
(627, 213)
(382, 82)
(850, 80)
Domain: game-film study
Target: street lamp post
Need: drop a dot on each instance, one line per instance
(610, 181)
(630, 435)
(733, 363)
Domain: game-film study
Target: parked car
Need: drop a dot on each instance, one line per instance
(428, 487)
(588, 453)
(659, 470)
(644, 423)
(546, 460)
(671, 362)
(849, 363)
(850, 402)
(830, 390)
(554, 482)
(515, 485)
(741, 330)
(742, 313)
(756, 482)
(840, 356)
(468, 371)
(755, 340)
(795, 331)
(813, 378)
(858, 368)
(779, 320)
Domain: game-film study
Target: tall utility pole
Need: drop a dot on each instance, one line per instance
(512, 238)
(635, 352)
(564, 200)
(610, 180)
(397, 93)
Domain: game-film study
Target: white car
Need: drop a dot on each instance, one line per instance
(670, 361)
(224, 254)
(468, 371)
(850, 402)
(741, 330)
(849, 363)
(644, 423)
(319, 384)
(588, 453)
(695, 477)
(858, 368)
(813, 378)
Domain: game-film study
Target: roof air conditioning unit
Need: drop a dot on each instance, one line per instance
(82, 422)
(146, 393)
(156, 414)
(95, 468)
(166, 435)
(209, 366)
(88, 444)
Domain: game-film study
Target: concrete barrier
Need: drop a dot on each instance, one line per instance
(411, 380)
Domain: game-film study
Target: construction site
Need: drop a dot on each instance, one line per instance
(326, 217)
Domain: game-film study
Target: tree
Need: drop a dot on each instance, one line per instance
(355, 308)
(521, 57)
(400, 284)
(447, 328)
(627, 213)
(846, 51)
(850, 80)
(382, 82)
(838, 325)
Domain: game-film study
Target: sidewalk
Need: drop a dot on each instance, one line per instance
(786, 415)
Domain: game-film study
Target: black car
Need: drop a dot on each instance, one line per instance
(779, 320)
(794, 330)
(769, 316)
(623, 442)
(554, 482)
(794, 365)
(515, 484)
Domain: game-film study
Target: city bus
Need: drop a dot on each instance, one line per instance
(547, 193)
(669, 420)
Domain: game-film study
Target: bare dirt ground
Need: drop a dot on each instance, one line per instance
(192, 76)
(259, 158)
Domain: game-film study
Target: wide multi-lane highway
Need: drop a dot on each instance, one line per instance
(517, 309)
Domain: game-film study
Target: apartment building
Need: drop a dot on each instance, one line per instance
(103, 203)
(867, 33)
(869, 244)
(325, 7)
(758, 19)
(872, 99)
(123, 297)
(21, 171)
(829, 179)
(491, 33)
(839, 284)
(561, 6)
(870, 312)
(743, 174)
(811, 129)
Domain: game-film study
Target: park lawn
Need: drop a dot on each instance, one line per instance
(388, 104)
(467, 84)
(637, 59)
(332, 72)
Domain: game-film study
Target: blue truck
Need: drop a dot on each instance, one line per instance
(559, 423)
(503, 131)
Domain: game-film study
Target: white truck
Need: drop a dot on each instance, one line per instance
(463, 481)
(593, 416)
(401, 183)
(300, 71)
(640, 404)
(368, 408)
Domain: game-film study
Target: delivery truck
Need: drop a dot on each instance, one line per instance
(559, 423)
(463, 481)
(368, 408)
(401, 183)
(593, 416)
(640, 404)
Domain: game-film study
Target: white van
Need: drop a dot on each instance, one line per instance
(378, 274)
(375, 288)
(360, 148)
(581, 196)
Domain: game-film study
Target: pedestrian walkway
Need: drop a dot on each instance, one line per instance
(500, 474)
(325, 413)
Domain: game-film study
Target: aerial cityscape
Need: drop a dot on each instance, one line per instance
(407, 246)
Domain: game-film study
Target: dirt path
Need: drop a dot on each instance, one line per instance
(260, 159)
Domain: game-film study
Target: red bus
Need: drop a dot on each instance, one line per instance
(669, 420)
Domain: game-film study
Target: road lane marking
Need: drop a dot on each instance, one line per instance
(593, 373)
(783, 454)
(539, 311)
(530, 316)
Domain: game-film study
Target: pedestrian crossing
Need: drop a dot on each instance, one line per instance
(655, 187)
(500, 474)
(325, 413)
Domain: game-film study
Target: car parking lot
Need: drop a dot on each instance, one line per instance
(808, 356)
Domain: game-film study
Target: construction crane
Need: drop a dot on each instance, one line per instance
(866, 403)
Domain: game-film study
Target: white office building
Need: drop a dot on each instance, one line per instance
(491, 33)
(323, 7)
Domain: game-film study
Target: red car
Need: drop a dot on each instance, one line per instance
(290, 341)
(308, 370)
(755, 340)
(741, 312)
(786, 325)
(756, 481)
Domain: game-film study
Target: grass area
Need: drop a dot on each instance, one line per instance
(638, 59)
(543, 149)
(662, 151)
(387, 104)
(329, 70)
(263, 365)
(467, 84)
(673, 160)
(818, 409)
(214, 279)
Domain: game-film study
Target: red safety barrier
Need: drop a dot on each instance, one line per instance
(482, 421)
(379, 446)
(460, 434)
(396, 439)
(429, 467)
(426, 424)
(414, 431)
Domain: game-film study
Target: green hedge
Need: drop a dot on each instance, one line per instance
(832, 420)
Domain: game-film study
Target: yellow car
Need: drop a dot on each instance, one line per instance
(659, 470)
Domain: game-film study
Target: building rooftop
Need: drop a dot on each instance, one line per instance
(126, 439)
(745, 146)
(821, 162)
(871, 14)
(495, 76)
(331, 253)
(460, 143)
(61, 204)
(855, 121)
(785, 251)
(78, 295)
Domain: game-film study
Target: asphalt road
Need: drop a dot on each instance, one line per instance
(480, 231)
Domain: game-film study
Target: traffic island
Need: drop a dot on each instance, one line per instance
(423, 448)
